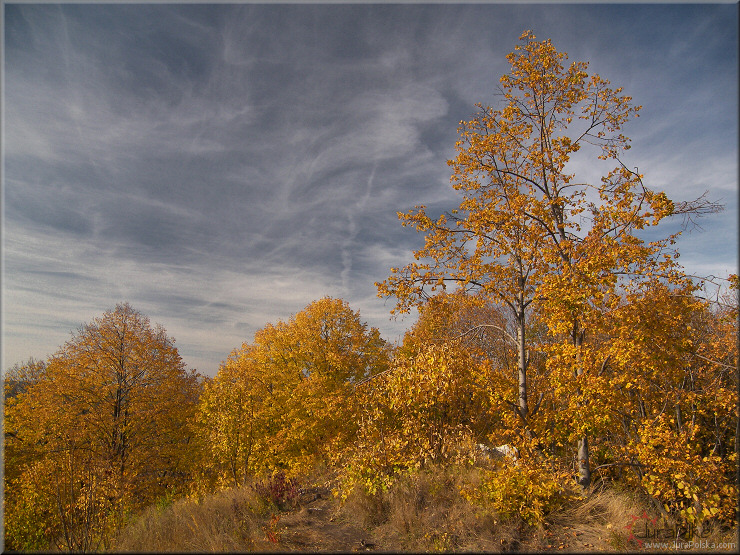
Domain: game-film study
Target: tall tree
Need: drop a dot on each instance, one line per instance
(100, 431)
(527, 234)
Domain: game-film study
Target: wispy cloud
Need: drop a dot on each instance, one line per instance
(220, 167)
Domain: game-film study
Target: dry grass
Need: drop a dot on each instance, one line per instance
(230, 521)
(426, 512)
(596, 523)
(421, 512)
(605, 520)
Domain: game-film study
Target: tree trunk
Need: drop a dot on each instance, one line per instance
(679, 419)
(584, 468)
(521, 321)
(737, 436)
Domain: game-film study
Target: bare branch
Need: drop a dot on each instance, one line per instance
(478, 327)
(537, 406)
(361, 382)
(722, 364)
(618, 464)
(691, 210)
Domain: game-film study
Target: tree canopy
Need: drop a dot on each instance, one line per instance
(285, 401)
(98, 431)
(526, 234)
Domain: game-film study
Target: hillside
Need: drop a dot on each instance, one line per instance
(423, 513)
(567, 383)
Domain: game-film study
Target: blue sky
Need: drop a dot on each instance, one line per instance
(220, 167)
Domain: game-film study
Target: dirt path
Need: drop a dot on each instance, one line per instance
(315, 526)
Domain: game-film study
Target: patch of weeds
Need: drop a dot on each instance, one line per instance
(279, 490)
(165, 501)
(440, 542)
(616, 540)
(272, 533)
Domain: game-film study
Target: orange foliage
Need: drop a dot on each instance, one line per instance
(99, 432)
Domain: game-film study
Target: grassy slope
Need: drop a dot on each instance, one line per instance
(420, 514)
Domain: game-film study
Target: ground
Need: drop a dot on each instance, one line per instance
(316, 525)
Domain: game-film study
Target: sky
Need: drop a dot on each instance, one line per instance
(220, 167)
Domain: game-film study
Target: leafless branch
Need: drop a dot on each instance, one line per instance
(617, 464)
(478, 327)
(361, 382)
(727, 366)
(691, 210)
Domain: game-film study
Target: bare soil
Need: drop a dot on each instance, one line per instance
(317, 526)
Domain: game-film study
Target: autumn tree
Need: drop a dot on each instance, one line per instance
(98, 433)
(528, 235)
(474, 324)
(284, 401)
(480, 326)
(233, 422)
(428, 408)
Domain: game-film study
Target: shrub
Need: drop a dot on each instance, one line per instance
(529, 492)
(425, 511)
(694, 486)
(280, 491)
(425, 412)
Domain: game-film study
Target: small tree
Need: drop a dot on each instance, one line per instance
(231, 420)
(429, 408)
(482, 330)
